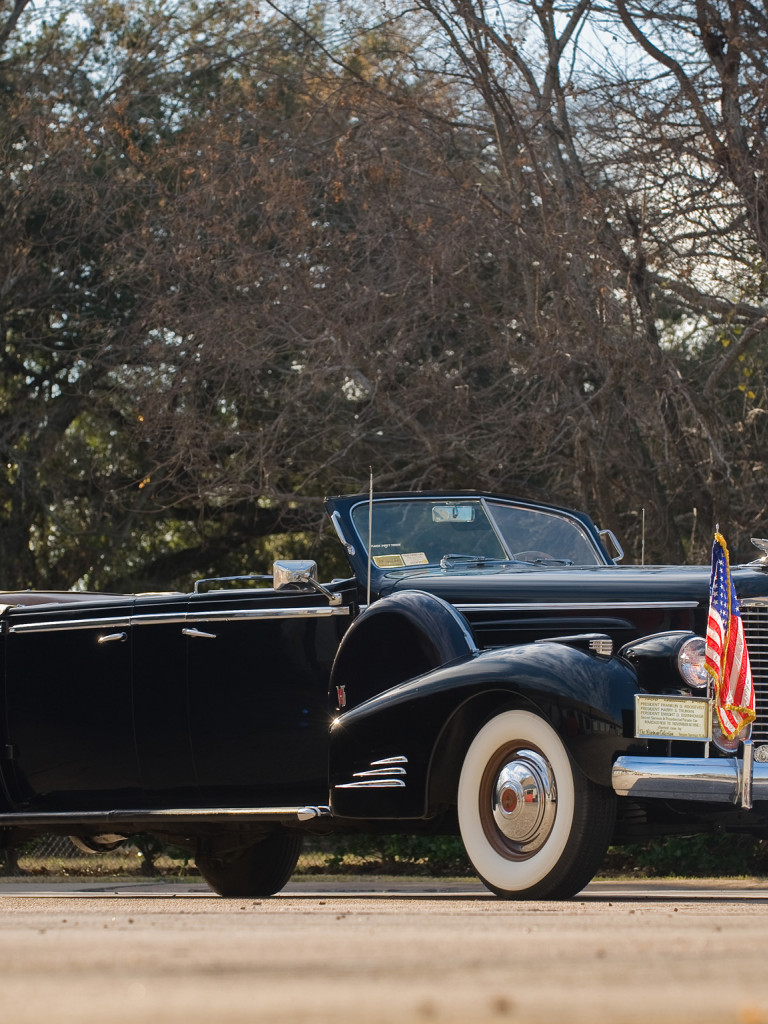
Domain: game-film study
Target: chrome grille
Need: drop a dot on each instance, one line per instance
(754, 615)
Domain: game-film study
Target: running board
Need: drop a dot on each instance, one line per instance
(171, 815)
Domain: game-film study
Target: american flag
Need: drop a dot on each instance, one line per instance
(727, 658)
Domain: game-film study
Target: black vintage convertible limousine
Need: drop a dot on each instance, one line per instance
(488, 669)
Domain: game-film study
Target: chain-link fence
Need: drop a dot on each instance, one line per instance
(436, 856)
(146, 856)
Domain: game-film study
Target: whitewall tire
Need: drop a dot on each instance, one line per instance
(533, 825)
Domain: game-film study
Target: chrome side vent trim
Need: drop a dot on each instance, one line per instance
(385, 773)
(602, 645)
(373, 784)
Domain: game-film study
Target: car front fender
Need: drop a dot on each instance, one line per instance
(399, 753)
(395, 639)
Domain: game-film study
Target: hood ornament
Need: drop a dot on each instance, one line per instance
(761, 543)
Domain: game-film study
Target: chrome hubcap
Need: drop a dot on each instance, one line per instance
(524, 802)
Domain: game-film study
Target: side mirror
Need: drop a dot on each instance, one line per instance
(285, 573)
(298, 574)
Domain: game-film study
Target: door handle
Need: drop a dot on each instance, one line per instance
(110, 638)
(199, 633)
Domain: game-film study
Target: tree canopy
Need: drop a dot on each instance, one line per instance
(250, 250)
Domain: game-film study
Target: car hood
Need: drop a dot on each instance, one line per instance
(605, 583)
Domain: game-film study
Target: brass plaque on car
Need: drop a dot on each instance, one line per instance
(672, 718)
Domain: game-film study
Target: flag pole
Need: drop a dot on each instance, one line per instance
(727, 662)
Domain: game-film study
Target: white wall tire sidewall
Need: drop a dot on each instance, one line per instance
(502, 873)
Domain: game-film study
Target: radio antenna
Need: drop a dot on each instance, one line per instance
(642, 541)
(370, 532)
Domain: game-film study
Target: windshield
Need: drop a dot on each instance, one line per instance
(413, 532)
(532, 534)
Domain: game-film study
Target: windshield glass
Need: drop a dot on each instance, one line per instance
(533, 534)
(415, 532)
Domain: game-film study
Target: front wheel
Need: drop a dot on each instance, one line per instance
(252, 871)
(533, 825)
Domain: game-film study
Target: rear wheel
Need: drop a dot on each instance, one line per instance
(533, 825)
(259, 870)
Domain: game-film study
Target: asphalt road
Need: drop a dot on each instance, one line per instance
(618, 953)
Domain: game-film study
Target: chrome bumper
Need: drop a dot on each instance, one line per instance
(719, 780)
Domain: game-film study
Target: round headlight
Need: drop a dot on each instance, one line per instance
(690, 663)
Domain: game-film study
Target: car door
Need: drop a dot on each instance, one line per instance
(259, 664)
(160, 702)
(69, 719)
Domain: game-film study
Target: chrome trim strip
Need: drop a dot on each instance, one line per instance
(169, 618)
(398, 759)
(686, 778)
(159, 619)
(562, 606)
(51, 627)
(379, 773)
(747, 775)
(173, 814)
(373, 784)
(336, 520)
(235, 615)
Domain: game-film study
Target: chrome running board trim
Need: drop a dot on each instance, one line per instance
(174, 815)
